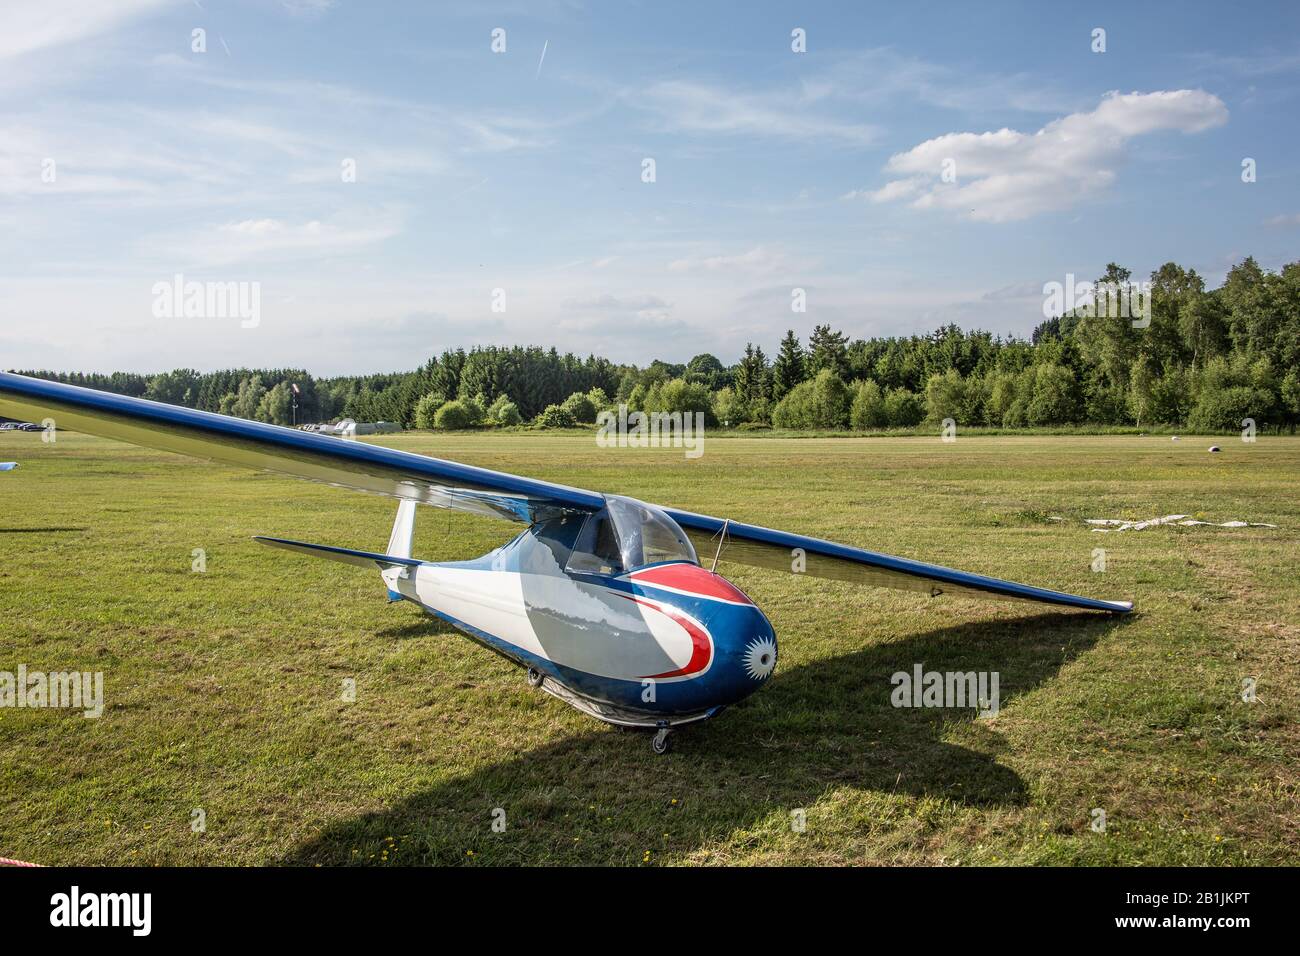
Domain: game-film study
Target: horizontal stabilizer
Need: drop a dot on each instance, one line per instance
(363, 559)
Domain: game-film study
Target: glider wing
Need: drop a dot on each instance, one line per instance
(799, 554)
(324, 458)
(447, 484)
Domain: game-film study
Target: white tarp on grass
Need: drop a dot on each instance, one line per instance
(1118, 524)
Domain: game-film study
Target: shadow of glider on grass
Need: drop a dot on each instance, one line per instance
(602, 598)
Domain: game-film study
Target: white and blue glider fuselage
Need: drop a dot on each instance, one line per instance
(670, 641)
(666, 641)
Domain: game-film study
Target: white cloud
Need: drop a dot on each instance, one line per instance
(31, 25)
(1015, 291)
(700, 108)
(308, 8)
(1008, 175)
(827, 106)
(605, 302)
(885, 77)
(1259, 63)
(84, 157)
(891, 191)
(760, 259)
(1293, 219)
(465, 129)
(266, 240)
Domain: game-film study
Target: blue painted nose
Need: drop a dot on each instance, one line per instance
(746, 649)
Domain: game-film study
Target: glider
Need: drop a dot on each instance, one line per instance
(603, 599)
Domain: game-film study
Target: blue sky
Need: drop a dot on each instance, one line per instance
(478, 171)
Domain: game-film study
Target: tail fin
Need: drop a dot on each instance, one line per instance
(399, 542)
(399, 546)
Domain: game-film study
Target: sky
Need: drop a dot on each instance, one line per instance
(391, 185)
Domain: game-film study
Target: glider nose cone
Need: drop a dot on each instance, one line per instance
(759, 658)
(743, 644)
(746, 643)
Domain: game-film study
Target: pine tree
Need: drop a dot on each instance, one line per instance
(788, 369)
(762, 376)
(827, 349)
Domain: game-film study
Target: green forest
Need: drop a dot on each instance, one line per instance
(1207, 360)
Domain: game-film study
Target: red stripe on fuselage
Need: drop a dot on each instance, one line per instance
(701, 643)
(692, 579)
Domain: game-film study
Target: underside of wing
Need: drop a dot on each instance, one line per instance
(799, 554)
(288, 451)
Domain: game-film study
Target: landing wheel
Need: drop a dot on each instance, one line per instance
(661, 743)
(535, 677)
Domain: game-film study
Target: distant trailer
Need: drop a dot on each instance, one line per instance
(348, 428)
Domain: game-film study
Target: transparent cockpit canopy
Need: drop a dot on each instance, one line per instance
(597, 551)
(628, 534)
(646, 535)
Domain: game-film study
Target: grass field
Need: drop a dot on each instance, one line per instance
(224, 688)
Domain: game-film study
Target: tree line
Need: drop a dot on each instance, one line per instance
(1200, 358)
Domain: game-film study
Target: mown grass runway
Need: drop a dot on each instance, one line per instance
(224, 688)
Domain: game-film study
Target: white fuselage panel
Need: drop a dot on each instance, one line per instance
(589, 627)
